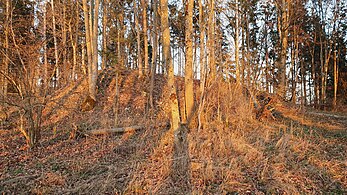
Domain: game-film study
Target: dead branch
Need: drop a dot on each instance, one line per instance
(123, 129)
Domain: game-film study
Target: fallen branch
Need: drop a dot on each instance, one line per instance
(123, 129)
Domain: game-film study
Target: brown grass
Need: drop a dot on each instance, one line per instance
(301, 153)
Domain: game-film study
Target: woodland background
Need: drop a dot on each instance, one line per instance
(204, 96)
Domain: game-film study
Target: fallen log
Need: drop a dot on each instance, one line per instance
(116, 130)
(123, 129)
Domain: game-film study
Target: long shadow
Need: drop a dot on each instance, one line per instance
(121, 165)
(181, 166)
(326, 129)
(179, 177)
(61, 100)
(324, 136)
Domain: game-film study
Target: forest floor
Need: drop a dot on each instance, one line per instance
(302, 152)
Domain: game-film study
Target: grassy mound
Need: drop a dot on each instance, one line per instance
(234, 151)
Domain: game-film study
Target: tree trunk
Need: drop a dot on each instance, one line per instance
(92, 47)
(64, 37)
(88, 45)
(56, 56)
(293, 73)
(211, 33)
(95, 50)
(175, 118)
(45, 71)
(104, 33)
(237, 64)
(154, 50)
(283, 24)
(313, 72)
(74, 41)
(325, 73)
(145, 36)
(188, 81)
(336, 77)
(203, 67)
(138, 39)
(6, 57)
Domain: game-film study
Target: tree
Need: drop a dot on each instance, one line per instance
(91, 26)
(145, 36)
(105, 5)
(189, 91)
(211, 40)
(138, 39)
(283, 9)
(165, 28)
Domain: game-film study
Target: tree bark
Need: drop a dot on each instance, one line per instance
(56, 56)
(64, 37)
(45, 71)
(91, 26)
(189, 90)
(211, 33)
(283, 23)
(175, 118)
(336, 77)
(203, 67)
(88, 45)
(145, 36)
(6, 57)
(138, 39)
(202, 46)
(104, 33)
(95, 50)
(154, 50)
(313, 73)
(237, 64)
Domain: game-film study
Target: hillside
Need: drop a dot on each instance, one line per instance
(301, 152)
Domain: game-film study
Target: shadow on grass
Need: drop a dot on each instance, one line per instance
(180, 172)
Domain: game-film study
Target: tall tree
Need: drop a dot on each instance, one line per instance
(189, 91)
(5, 65)
(165, 28)
(155, 34)
(138, 39)
(105, 5)
(283, 8)
(91, 25)
(237, 63)
(55, 40)
(145, 36)
(211, 39)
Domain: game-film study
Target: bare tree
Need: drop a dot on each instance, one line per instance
(211, 39)
(283, 7)
(138, 39)
(145, 36)
(189, 90)
(105, 5)
(91, 26)
(165, 28)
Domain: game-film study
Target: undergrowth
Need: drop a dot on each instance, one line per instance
(234, 152)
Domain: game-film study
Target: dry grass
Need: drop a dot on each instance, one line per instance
(301, 153)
